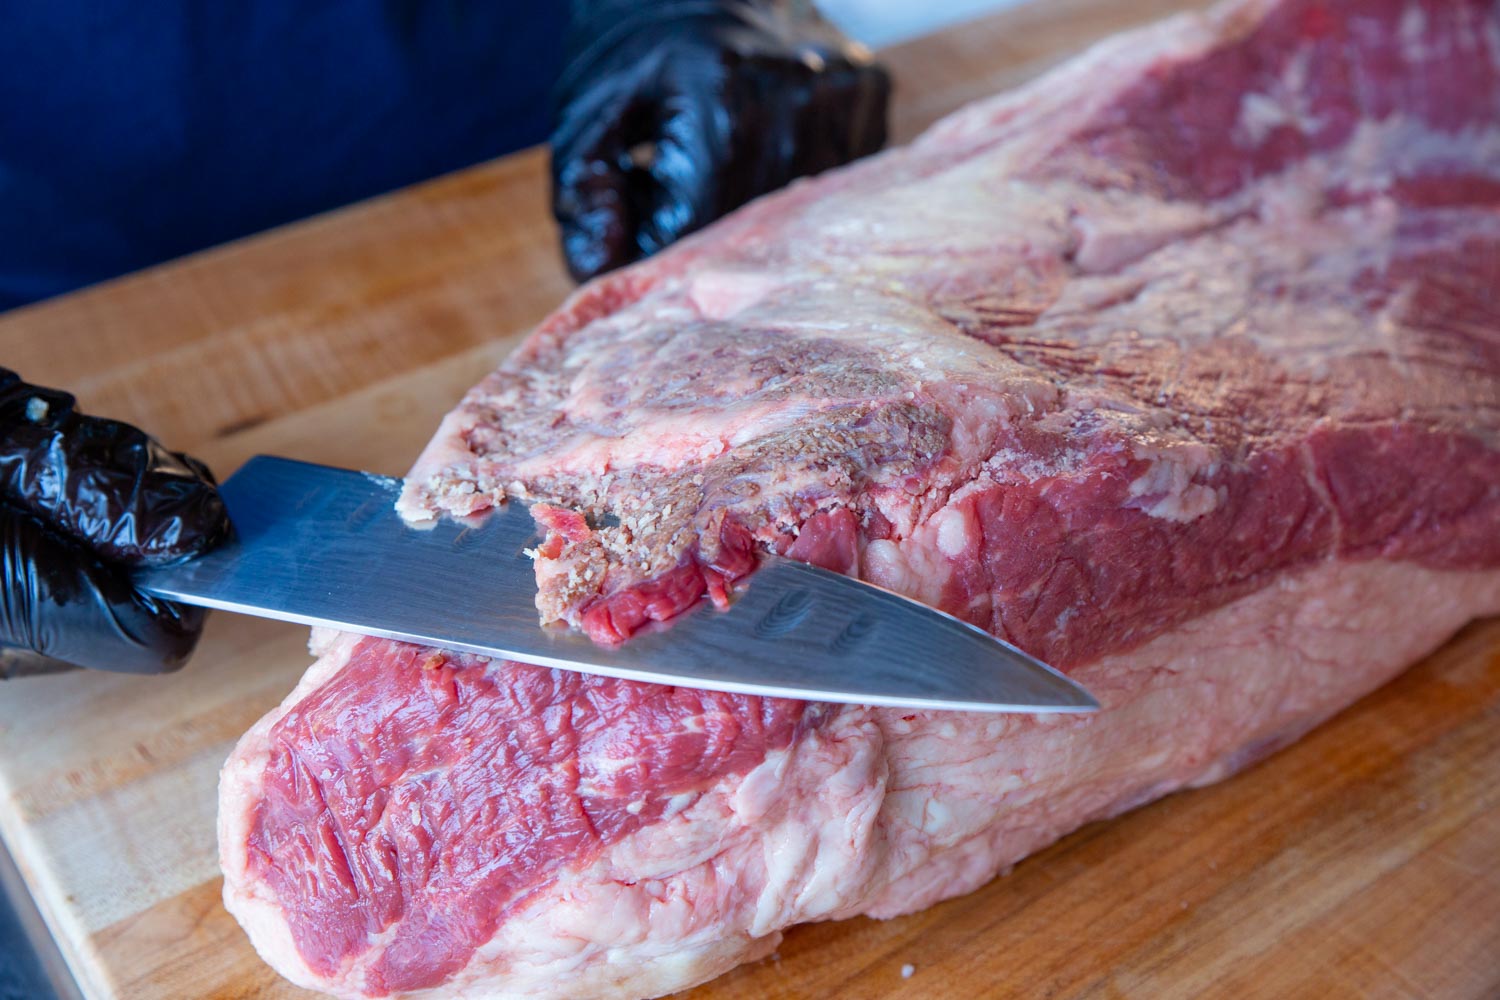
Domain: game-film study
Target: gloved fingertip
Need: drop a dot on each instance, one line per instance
(62, 602)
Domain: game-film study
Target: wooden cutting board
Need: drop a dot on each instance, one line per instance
(1364, 861)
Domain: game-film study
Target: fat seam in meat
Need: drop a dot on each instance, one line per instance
(1178, 367)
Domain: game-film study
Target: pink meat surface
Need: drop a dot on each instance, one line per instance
(1179, 367)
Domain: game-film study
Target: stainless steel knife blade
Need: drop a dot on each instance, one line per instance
(325, 546)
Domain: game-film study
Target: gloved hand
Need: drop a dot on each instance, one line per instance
(671, 113)
(83, 499)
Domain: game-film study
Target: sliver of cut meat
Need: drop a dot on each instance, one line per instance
(1179, 368)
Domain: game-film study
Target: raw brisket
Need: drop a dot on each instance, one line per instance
(1179, 367)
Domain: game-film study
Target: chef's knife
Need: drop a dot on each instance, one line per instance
(325, 546)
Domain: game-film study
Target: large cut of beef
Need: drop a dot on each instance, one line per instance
(1179, 367)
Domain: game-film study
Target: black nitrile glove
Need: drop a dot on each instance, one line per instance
(83, 500)
(671, 113)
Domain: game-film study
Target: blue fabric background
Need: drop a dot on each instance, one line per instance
(21, 975)
(133, 131)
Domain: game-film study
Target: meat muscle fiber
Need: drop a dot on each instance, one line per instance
(1179, 367)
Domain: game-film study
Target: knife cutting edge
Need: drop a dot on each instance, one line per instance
(325, 546)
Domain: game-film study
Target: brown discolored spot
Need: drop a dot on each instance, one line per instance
(242, 425)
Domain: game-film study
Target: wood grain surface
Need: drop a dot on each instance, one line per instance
(1360, 862)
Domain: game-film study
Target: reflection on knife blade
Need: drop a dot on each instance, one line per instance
(324, 546)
